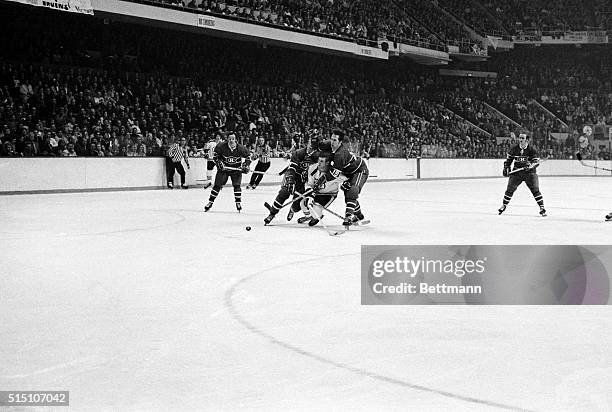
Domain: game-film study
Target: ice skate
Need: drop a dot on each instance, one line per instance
(269, 218)
(304, 219)
(208, 206)
(313, 221)
(348, 220)
(501, 209)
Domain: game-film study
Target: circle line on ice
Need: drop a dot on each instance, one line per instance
(233, 310)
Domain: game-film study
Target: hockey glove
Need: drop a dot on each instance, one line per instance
(318, 185)
(533, 165)
(346, 185)
(579, 156)
(220, 166)
(245, 169)
(506, 171)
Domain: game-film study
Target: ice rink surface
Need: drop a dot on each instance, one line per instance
(140, 301)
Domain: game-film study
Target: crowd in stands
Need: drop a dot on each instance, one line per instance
(440, 24)
(551, 17)
(411, 20)
(474, 14)
(75, 86)
(360, 20)
(517, 17)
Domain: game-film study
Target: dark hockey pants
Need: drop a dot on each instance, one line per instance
(350, 196)
(221, 179)
(532, 182)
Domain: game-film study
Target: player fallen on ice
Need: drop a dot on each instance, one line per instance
(325, 183)
(526, 160)
(356, 171)
(232, 160)
(295, 178)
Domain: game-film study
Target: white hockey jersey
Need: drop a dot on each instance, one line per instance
(328, 183)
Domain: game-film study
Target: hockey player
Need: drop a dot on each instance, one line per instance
(356, 171)
(325, 183)
(261, 152)
(295, 178)
(210, 163)
(526, 160)
(586, 148)
(232, 155)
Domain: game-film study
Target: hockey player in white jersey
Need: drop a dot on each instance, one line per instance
(210, 164)
(325, 183)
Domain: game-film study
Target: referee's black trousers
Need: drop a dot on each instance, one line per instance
(256, 177)
(172, 167)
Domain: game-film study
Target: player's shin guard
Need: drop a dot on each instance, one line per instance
(540, 201)
(281, 197)
(538, 198)
(349, 216)
(238, 197)
(350, 207)
(507, 198)
(505, 201)
(211, 199)
(214, 193)
(208, 181)
(358, 214)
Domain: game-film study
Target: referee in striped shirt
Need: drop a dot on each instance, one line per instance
(261, 152)
(176, 153)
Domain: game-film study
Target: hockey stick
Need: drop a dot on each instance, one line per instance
(579, 158)
(531, 166)
(300, 197)
(362, 222)
(595, 167)
(235, 169)
(328, 230)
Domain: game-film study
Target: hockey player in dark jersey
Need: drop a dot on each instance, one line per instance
(356, 171)
(294, 178)
(229, 154)
(526, 160)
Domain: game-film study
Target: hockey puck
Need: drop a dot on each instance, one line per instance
(248, 228)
